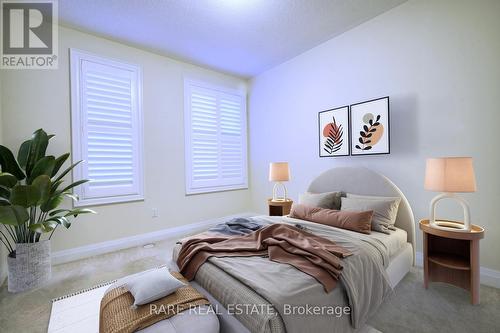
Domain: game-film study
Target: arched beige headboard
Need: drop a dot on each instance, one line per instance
(366, 182)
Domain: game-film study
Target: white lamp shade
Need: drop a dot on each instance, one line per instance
(279, 172)
(450, 174)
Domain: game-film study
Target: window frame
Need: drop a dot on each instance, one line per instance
(78, 128)
(189, 189)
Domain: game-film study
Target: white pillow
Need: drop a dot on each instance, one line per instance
(329, 200)
(385, 209)
(122, 281)
(152, 285)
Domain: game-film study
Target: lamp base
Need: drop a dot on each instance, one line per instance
(450, 225)
(275, 192)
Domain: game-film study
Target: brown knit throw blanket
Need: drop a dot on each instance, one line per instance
(311, 254)
(118, 315)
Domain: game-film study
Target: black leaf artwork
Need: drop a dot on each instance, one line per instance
(367, 133)
(334, 141)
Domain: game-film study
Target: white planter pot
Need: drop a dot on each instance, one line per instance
(30, 268)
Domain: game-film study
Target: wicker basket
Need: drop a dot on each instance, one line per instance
(30, 268)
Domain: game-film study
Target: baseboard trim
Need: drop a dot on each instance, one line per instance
(82, 252)
(489, 277)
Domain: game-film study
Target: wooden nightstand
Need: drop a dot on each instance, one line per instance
(452, 257)
(279, 208)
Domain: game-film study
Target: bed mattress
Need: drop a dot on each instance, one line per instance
(394, 242)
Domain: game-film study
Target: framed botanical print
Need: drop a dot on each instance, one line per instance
(334, 132)
(370, 133)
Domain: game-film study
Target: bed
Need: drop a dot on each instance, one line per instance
(255, 281)
(368, 182)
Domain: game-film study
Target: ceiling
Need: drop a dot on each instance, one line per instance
(240, 37)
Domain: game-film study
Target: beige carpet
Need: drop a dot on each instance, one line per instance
(411, 308)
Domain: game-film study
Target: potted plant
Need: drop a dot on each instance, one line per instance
(31, 190)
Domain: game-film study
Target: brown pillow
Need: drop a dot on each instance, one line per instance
(356, 221)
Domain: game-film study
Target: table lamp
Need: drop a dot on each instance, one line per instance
(279, 173)
(450, 175)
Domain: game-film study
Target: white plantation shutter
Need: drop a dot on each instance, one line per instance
(107, 129)
(216, 138)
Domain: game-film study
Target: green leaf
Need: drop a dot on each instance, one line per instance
(55, 185)
(7, 179)
(13, 215)
(4, 192)
(25, 195)
(39, 143)
(78, 211)
(9, 164)
(37, 227)
(43, 184)
(58, 220)
(65, 222)
(71, 196)
(43, 227)
(52, 223)
(23, 154)
(75, 184)
(59, 163)
(52, 203)
(65, 172)
(55, 219)
(44, 166)
(21, 214)
(57, 211)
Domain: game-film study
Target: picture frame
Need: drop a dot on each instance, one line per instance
(333, 132)
(370, 127)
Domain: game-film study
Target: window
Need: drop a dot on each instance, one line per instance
(216, 138)
(106, 129)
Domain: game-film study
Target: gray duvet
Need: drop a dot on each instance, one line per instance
(300, 300)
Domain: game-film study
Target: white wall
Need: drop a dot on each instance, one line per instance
(438, 62)
(34, 99)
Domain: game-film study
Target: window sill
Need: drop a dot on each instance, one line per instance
(215, 190)
(108, 201)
